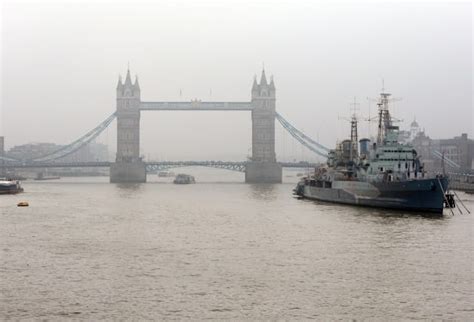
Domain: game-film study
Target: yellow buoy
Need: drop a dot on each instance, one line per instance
(23, 204)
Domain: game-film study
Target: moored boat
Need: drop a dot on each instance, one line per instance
(10, 186)
(385, 174)
(184, 179)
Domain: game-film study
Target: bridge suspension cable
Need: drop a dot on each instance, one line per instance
(77, 144)
(8, 159)
(302, 138)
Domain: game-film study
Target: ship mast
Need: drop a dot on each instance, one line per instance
(385, 121)
(354, 136)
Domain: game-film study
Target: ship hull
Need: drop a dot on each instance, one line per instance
(11, 192)
(425, 195)
(9, 188)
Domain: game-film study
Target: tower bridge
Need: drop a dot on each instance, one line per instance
(262, 167)
(128, 166)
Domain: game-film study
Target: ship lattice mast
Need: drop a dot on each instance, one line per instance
(354, 136)
(385, 121)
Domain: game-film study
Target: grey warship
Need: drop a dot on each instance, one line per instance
(382, 174)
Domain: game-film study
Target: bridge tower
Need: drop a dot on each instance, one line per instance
(263, 167)
(128, 166)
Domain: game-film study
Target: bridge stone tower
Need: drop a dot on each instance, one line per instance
(128, 166)
(263, 167)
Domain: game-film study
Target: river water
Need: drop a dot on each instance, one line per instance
(223, 249)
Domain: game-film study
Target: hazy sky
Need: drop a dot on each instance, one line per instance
(61, 61)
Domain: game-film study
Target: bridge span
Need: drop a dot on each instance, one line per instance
(196, 105)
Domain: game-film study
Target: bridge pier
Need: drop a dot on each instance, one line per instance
(263, 172)
(123, 172)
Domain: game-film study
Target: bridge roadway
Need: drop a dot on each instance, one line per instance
(156, 165)
(196, 105)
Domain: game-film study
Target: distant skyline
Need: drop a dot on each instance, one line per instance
(61, 61)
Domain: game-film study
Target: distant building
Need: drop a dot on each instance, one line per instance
(423, 145)
(459, 149)
(31, 150)
(90, 152)
(414, 129)
(406, 136)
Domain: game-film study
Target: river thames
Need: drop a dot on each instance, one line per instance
(225, 250)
